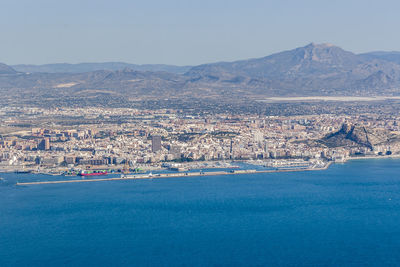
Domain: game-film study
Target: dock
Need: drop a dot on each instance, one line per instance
(172, 175)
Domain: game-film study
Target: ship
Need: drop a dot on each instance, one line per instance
(22, 171)
(92, 173)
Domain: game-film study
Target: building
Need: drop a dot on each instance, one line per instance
(44, 144)
(175, 151)
(51, 161)
(155, 143)
(93, 162)
(69, 159)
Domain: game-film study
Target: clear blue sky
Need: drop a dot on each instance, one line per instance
(188, 32)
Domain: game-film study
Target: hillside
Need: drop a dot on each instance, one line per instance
(359, 136)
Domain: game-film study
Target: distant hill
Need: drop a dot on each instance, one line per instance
(5, 69)
(315, 69)
(312, 70)
(88, 67)
(388, 56)
(312, 59)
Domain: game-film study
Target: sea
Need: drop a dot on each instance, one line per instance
(348, 215)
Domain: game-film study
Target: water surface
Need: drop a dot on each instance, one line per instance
(348, 215)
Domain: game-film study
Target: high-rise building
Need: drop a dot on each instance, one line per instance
(155, 143)
(44, 144)
(258, 137)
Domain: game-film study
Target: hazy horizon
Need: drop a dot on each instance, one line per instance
(238, 59)
(187, 32)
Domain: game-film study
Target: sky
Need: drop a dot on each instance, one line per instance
(188, 32)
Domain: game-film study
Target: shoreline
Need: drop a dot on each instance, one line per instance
(199, 174)
(176, 175)
(374, 157)
(57, 172)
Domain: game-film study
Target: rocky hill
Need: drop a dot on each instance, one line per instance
(359, 136)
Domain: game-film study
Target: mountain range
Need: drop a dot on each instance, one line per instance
(312, 70)
(88, 67)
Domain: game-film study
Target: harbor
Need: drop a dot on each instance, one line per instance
(174, 175)
(230, 169)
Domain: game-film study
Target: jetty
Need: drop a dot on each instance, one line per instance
(173, 175)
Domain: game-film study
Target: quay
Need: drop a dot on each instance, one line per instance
(174, 175)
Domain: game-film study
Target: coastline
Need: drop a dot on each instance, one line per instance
(55, 171)
(397, 156)
(199, 174)
(176, 175)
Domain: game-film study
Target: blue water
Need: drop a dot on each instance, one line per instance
(348, 215)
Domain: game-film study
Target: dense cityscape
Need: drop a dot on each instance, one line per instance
(65, 140)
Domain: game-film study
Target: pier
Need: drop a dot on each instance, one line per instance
(173, 175)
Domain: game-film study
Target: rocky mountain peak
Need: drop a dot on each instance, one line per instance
(322, 45)
(326, 53)
(347, 128)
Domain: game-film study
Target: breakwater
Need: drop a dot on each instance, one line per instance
(172, 175)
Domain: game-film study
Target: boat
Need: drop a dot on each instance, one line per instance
(22, 171)
(70, 173)
(92, 173)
